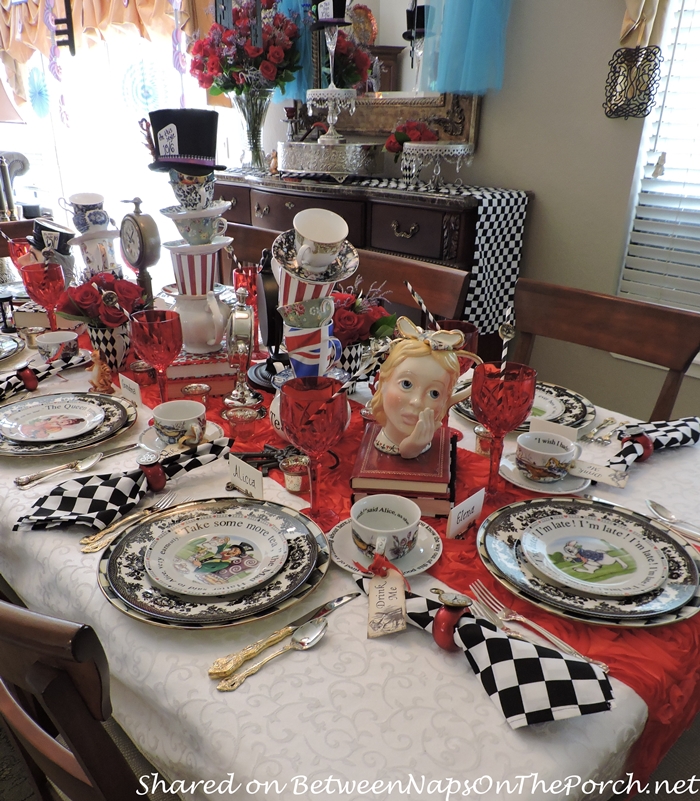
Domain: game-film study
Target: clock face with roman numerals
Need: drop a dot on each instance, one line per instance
(132, 241)
(140, 240)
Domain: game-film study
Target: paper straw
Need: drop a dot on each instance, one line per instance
(421, 304)
(506, 336)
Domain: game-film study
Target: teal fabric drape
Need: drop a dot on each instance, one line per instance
(465, 45)
(298, 12)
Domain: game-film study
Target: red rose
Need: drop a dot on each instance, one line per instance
(205, 80)
(291, 30)
(413, 134)
(87, 298)
(105, 281)
(197, 47)
(342, 46)
(369, 318)
(252, 52)
(347, 326)
(429, 136)
(111, 316)
(392, 144)
(268, 4)
(130, 295)
(275, 55)
(268, 71)
(239, 78)
(214, 66)
(343, 300)
(196, 66)
(229, 37)
(66, 306)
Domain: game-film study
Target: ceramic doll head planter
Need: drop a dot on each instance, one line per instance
(415, 388)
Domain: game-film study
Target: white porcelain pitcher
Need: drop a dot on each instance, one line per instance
(203, 322)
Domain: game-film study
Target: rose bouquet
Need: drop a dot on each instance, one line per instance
(410, 131)
(352, 62)
(358, 317)
(102, 302)
(226, 60)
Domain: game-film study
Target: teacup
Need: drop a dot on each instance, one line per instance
(57, 345)
(308, 313)
(389, 516)
(317, 360)
(180, 422)
(95, 220)
(318, 236)
(200, 230)
(193, 191)
(545, 457)
(78, 205)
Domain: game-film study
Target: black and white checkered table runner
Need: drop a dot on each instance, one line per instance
(99, 500)
(529, 683)
(13, 384)
(671, 434)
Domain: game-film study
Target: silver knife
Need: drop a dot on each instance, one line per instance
(26, 481)
(227, 665)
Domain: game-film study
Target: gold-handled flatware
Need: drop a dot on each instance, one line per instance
(304, 637)
(605, 440)
(609, 421)
(226, 665)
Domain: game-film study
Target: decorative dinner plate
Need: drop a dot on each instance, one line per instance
(150, 439)
(594, 555)
(216, 554)
(215, 209)
(554, 403)
(284, 250)
(423, 555)
(567, 486)
(126, 584)
(119, 415)
(499, 543)
(39, 420)
(10, 346)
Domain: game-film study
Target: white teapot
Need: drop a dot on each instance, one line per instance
(203, 322)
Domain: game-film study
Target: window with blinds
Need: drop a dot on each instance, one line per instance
(663, 257)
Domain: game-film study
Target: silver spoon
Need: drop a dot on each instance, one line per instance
(25, 482)
(304, 637)
(668, 517)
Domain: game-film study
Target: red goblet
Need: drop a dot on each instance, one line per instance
(44, 284)
(314, 421)
(471, 341)
(157, 337)
(18, 249)
(502, 396)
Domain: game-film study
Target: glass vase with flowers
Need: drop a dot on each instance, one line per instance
(227, 61)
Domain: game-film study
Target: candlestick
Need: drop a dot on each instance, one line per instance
(3, 206)
(7, 186)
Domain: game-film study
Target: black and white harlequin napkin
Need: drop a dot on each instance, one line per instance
(671, 434)
(98, 501)
(529, 683)
(13, 384)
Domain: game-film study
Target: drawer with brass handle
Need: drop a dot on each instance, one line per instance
(261, 211)
(412, 231)
(407, 229)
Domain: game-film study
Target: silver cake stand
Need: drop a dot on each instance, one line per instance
(416, 155)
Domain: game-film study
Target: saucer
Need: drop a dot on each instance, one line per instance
(90, 236)
(284, 250)
(149, 439)
(217, 208)
(567, 485)
(424, 554)
(172, 291)
(181, 246)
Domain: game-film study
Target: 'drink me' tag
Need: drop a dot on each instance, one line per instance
(245, 478)
(464, 514)
(547, 427)
(598, 472)
(130, 390)
(387, 605)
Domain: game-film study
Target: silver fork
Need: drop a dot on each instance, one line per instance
(605, 440)
(488, 599)
(609, 421)
(100, 539)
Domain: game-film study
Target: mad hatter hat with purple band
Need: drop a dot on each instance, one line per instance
(184, 139)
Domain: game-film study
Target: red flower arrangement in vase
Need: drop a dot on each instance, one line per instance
(352, 63)
(410, 131)
(358, 317)
(102, 302)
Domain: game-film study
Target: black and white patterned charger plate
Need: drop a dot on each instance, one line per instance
(578, 411)
(345, 265)
(498, 541)
(10, 346)
(125, 583)
(120, 415)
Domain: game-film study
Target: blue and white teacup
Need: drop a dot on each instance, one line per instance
(180, 422)
(193, 191)
(79, 205)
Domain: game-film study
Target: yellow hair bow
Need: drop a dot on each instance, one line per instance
(438, 340)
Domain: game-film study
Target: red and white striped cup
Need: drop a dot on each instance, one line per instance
(292, 290)
(195, 274)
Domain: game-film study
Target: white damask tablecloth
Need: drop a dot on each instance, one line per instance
(350, 709)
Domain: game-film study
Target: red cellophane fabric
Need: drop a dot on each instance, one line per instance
(662, 665)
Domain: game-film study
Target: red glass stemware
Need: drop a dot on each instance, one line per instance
(157, 336)
(18, 248)
(502, 397)
(44, 284)
(312, 433)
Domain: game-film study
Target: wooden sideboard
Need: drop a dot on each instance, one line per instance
(432, 227)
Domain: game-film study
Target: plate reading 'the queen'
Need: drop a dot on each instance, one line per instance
(45, 420)
(216, 554)
(592, 555)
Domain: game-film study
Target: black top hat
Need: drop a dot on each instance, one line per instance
(420, 23)
(329, 12)
(184, 139)
(47, 233)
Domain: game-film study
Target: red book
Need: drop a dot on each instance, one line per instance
(199, 365)
(427, 473)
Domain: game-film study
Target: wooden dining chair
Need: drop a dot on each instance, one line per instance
(54, 701)
(442, 288)
(655, 334)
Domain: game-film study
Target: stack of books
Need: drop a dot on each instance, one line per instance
(429, 479)
(208, 368)
(32, 315)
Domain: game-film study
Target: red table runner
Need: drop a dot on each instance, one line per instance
(662, 665)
